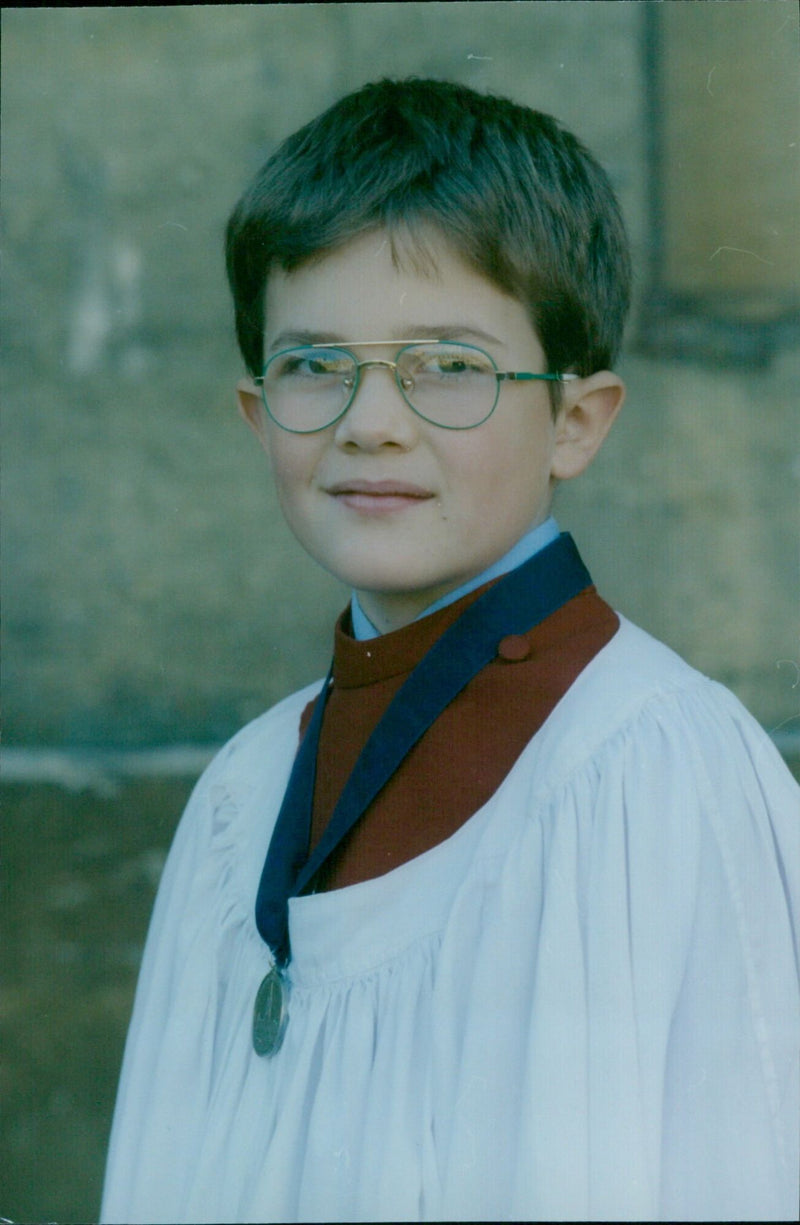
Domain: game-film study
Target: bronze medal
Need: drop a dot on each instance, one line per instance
(270, 1014)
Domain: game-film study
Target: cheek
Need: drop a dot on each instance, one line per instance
(508, 481)
(291, 460)
(506, 467)
(288, 482)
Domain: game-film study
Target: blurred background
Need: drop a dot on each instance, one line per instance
(152, 599)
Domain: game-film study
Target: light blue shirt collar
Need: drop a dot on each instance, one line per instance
(529, 544)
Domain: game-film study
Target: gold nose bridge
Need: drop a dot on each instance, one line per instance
(377, 361)
(404, 384)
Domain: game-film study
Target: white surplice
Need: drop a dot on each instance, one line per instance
(584, 1004)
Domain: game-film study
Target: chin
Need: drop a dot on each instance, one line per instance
(387, 572)
(391, 584)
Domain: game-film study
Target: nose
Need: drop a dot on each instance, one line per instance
(378, 415)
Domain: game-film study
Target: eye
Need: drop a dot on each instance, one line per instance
(452, 363)
(316, 365)
(447, 364)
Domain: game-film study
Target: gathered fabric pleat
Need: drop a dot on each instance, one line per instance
(581, 1005)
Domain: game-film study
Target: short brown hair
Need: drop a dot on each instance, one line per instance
(512, 192)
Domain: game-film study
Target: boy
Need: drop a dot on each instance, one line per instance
(509, 935)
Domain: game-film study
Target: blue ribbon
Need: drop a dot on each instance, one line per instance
(514, 604)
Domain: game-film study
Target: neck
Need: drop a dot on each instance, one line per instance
(376, 613)
(387, 610)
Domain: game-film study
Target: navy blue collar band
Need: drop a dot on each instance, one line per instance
(514, 604)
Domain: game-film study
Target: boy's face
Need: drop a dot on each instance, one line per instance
(395, 507)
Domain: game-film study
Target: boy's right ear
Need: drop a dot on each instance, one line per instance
(251, 408)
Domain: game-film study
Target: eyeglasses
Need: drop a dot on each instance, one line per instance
(447, 383)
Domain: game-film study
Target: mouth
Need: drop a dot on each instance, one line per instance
(378, 496)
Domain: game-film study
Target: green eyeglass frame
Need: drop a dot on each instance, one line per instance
(358, 366)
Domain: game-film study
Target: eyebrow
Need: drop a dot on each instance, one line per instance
(416, 331)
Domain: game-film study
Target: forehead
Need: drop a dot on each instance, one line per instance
(386, 286)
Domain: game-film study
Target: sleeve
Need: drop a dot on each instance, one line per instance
(731, 1106)
(139, 1128)
(691, 943)
(692, 910)
(622, 973)
(202, 956)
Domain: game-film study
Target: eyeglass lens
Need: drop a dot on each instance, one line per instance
(452, 385)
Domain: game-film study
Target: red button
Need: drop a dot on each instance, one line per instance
(514, 647)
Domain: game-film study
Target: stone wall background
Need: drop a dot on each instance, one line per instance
(151, 595)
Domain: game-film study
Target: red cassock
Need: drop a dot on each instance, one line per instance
(462, 759)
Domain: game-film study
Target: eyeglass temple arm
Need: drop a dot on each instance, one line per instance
(521, 376)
